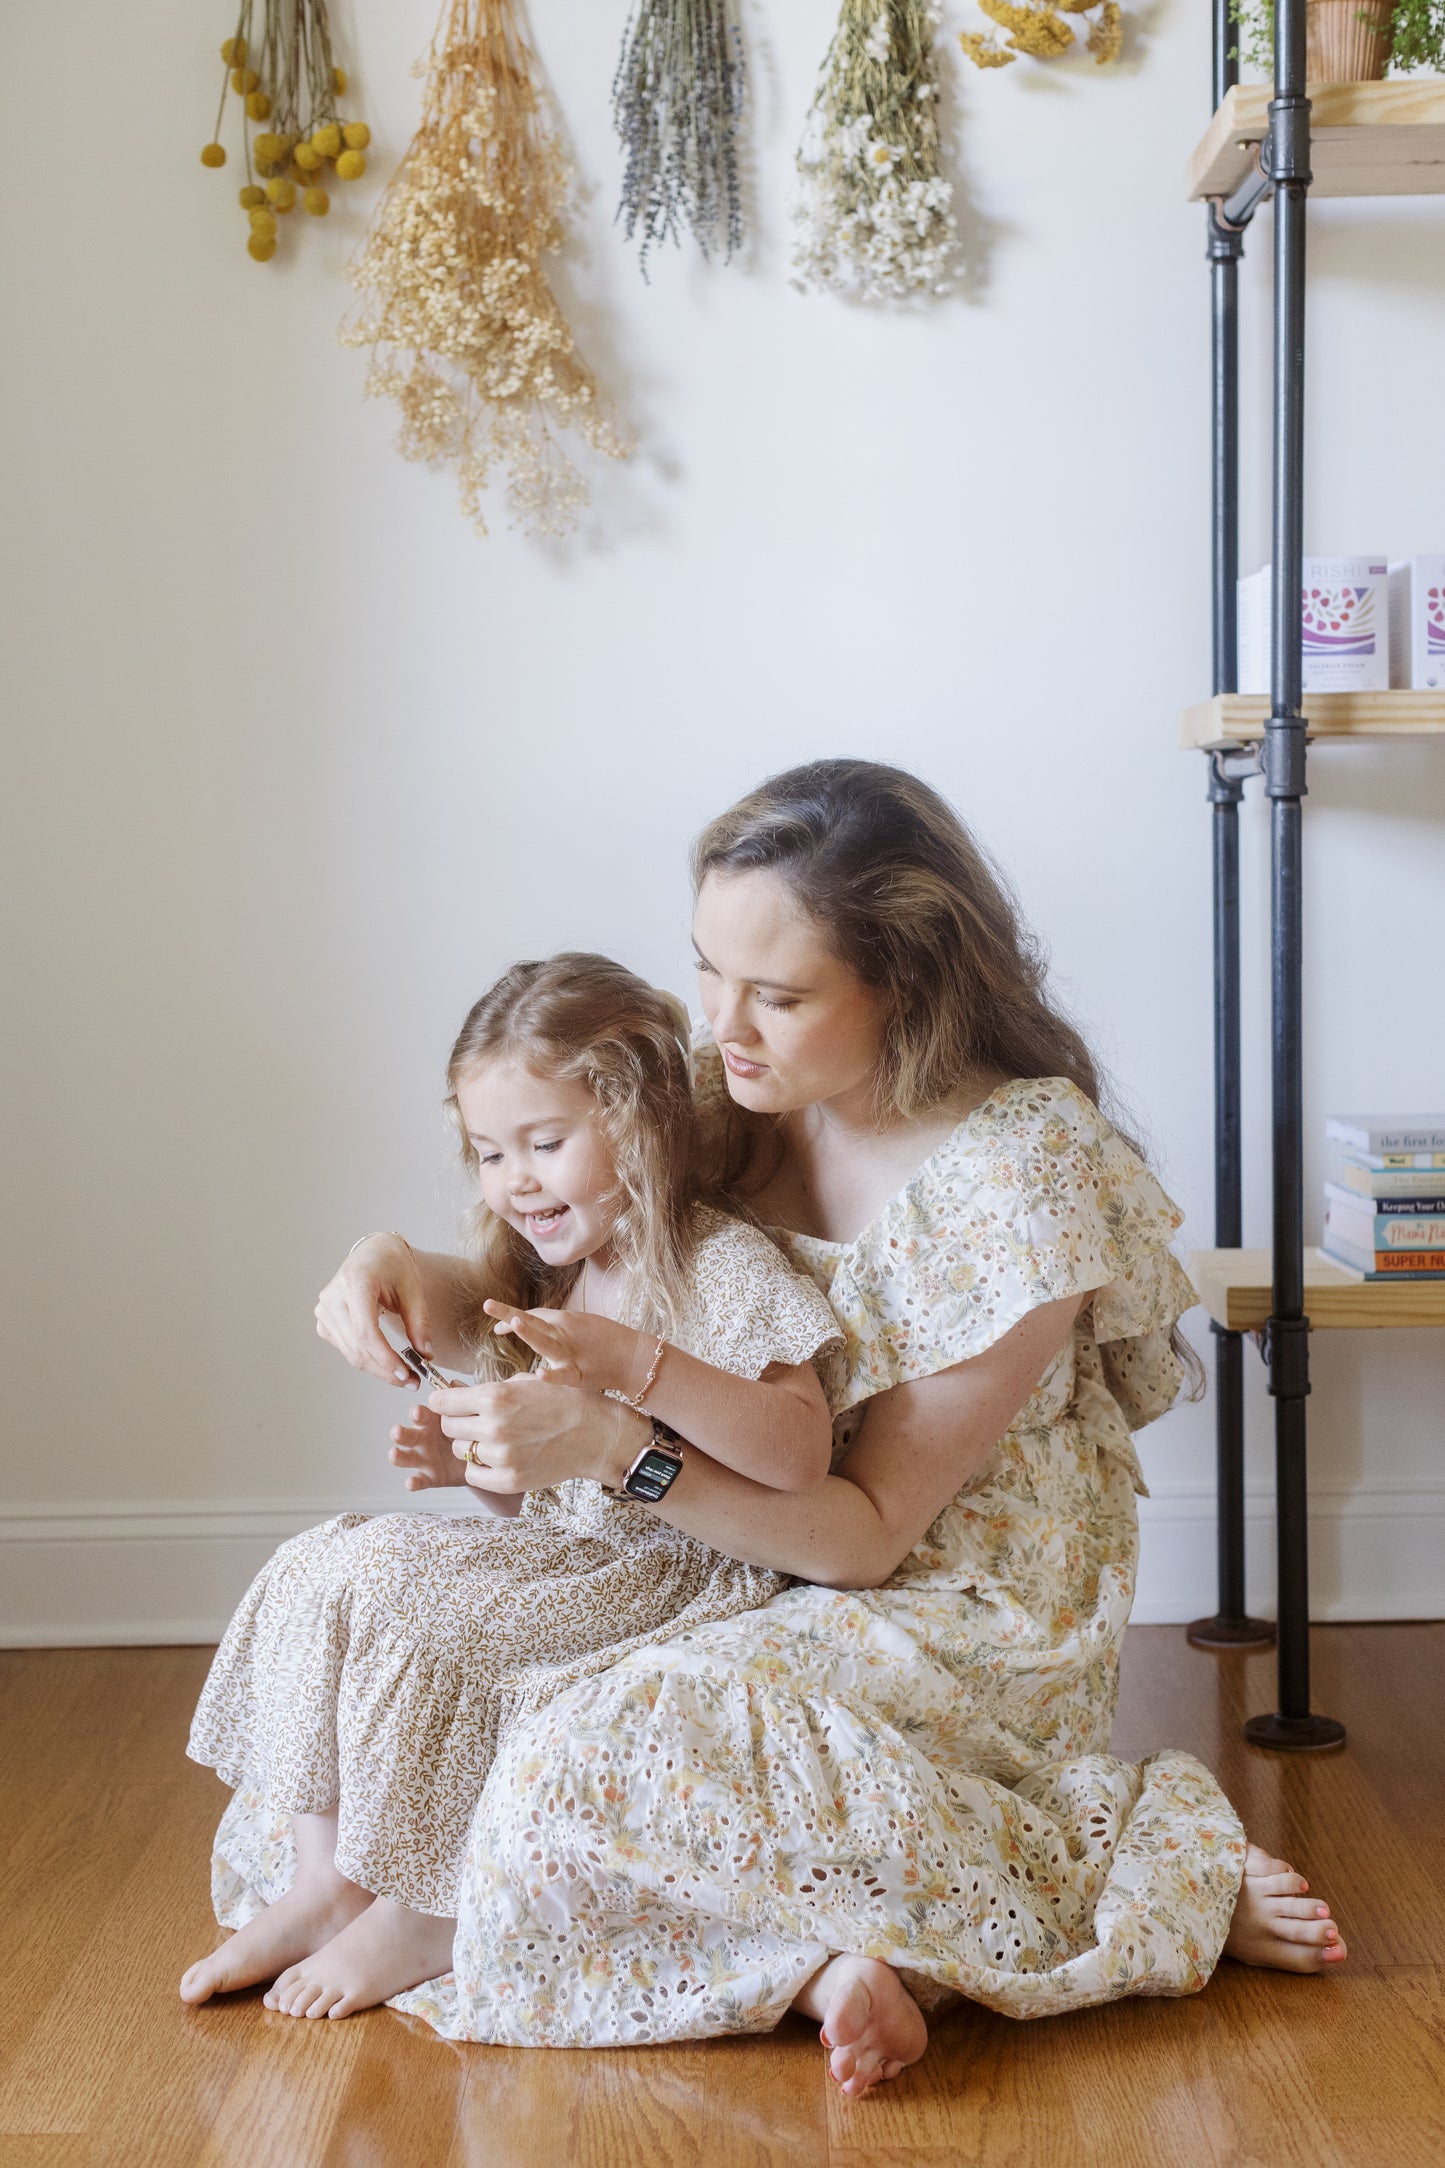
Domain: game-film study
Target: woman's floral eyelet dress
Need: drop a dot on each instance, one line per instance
(668, 1849)
(917, 1773)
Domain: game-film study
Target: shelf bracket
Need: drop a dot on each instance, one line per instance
(1237, 209)
(1225, 240)
(1230, 767)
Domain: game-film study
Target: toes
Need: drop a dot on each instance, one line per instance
(1258, 1861)
(1297, 1908)
(1315, 1932)
(292, 1992)
(1288, 1884)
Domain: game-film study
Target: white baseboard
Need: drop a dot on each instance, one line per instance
(1374, 1554)
(95, 1576)
(99, 1576)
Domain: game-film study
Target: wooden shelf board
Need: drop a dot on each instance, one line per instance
(1366, 139)
(1234, 1287)
(1236, 718)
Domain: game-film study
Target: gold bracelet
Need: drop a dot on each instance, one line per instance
(393, 1233)
(626, 1398)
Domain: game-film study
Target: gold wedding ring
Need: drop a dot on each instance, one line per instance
(470, 1456)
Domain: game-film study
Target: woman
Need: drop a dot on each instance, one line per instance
(889, 1786)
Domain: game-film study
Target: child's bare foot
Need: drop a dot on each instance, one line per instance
(1276, 1922)
(385, 1950)
(871, 2024)
(317, 1906)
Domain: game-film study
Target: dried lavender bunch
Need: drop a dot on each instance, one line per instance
(677, 101)
(875, 211)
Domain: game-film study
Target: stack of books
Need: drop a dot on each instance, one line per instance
(1385, 1195)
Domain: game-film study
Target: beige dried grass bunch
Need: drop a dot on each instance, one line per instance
(469, 339)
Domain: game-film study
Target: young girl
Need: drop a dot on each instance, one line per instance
(368, 1675)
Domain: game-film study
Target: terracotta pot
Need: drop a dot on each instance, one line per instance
(1340, 48)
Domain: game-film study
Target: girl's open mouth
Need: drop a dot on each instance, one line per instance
(541, 1224)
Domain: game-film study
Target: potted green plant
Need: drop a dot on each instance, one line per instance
(1352, 41)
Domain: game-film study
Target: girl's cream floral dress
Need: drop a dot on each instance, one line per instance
(918, 1773)
(375, 1665)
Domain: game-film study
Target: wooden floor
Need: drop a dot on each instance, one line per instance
(106, 1828)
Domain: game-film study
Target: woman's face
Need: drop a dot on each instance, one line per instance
(796, 1025)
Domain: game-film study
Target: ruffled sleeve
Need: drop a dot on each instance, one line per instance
(1033, 1198)
(749, 1308)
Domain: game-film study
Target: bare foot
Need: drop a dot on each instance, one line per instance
(385, 1950)
(1276, 1922)
(317, 1906)
(871, 2025)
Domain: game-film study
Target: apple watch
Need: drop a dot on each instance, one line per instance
(655, 1470)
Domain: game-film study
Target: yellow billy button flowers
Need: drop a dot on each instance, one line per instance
(278, 62)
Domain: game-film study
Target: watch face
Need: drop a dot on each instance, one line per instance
(653, 1475)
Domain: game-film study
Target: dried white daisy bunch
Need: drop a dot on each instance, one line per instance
(874, 215)
(467, 335)
(677, 102)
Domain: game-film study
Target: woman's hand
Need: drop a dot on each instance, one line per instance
(529, 1432)
(579, 1349)
(381, 1274)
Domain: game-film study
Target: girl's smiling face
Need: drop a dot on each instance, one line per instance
(796, 1024)
(542, 1158)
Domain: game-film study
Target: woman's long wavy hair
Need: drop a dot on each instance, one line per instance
(902, 893)
(583, 1019)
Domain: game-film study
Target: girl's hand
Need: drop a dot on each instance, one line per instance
(423, 1449)
(380, 1274)
(579, 1350)
(529, 1432)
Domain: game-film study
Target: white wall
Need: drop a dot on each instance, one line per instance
(298, 762)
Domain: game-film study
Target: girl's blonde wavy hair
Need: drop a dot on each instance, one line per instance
(580, 1018)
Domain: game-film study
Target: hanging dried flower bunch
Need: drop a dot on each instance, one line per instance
(677, 100)
(875, 214)
(1042, 30)
(468, 337)
(287, 79)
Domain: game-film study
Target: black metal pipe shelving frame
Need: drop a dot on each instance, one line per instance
(1283, 172)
